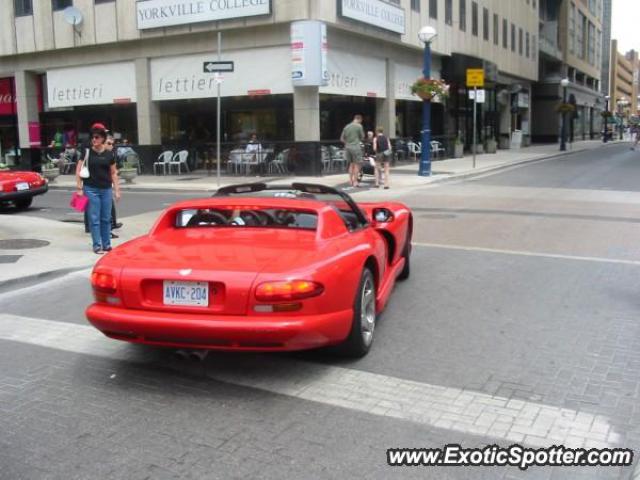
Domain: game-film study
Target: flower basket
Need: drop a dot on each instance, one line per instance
(430, 88)
(566, 108)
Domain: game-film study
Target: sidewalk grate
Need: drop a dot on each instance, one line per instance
(22, 243)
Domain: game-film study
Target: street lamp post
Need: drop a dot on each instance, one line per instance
(426, 35)
(563, 135)
(605, 137)
(622, 102)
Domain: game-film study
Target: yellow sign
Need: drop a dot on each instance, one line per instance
(475, 77)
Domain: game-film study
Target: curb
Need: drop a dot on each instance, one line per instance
(30, 280)
(495, 168)
(433, 179)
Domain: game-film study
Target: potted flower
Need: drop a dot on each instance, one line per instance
(128, 172)
(491, 146)
(458, 147)
(49, 170)
(430, 88)
(565, 108)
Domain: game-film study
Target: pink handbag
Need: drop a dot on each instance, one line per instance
(79, 202)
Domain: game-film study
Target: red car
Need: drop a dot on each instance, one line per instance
(256, 268)
(21, 187)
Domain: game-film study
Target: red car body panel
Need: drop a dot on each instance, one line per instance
(11, 181)
(234, 261)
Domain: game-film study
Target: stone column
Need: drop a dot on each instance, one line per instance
(148, 116)
(27, 110)
(306, 114)
(306, 124)
(386, 107)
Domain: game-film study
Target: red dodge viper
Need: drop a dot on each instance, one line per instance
(256, 268)
(21, 187)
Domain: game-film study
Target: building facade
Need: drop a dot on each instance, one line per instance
(623, 81)
(139, 67)
(571, 48)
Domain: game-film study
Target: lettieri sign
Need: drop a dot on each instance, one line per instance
(165, 13)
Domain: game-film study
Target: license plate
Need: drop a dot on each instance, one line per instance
(22, 186)
(186, 293)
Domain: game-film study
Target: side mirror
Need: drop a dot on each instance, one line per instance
(382, 215)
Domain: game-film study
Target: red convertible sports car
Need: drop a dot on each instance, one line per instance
(21, 187)
(256, 268)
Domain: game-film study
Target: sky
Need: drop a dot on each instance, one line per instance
(625, 24)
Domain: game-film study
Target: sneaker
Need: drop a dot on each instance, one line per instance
(116, 225)
(97, 251)
(113, 235)
(107, 249)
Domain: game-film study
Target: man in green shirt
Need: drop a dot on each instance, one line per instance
(352, 137)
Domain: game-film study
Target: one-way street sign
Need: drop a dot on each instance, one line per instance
(210, 67)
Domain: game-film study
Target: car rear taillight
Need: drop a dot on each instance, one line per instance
(286, 291)
(103, 282)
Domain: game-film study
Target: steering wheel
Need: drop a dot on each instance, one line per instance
(207, 218)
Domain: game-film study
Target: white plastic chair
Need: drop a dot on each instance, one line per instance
(414, 149)
(437, 148)
(180, 159)
(279, 164)
(163, 160)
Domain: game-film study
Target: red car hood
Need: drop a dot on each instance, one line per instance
(228, 258)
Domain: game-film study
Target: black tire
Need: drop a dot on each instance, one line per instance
(23, 203)
(360, 339)
(406, 254)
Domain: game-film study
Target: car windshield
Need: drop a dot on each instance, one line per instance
(242, 217)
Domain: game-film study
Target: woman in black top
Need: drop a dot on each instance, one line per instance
(98, 187)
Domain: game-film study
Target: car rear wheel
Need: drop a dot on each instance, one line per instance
(24, 203)
(363, 326)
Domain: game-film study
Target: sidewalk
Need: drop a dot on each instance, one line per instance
(69, 250)
(402, 176)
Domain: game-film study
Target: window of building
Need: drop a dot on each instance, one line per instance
(572, 28)
(520, 42)
(485, 24)
(474, 18)
(513, 37)
(527, 45)
(448, 12)
(591, 44)
(505, 33)
(433, 8)
(463, 15)
(22, 7)
(592, 6)
(415, 5)
(534, 47)
(598, 47)
(60, 4)
(496, 28)
(580, 31)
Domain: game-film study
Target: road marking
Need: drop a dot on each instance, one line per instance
(526, 253)
(462, 410)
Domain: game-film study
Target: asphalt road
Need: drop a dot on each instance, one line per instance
(518, 324)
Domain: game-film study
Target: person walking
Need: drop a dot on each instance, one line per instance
(382, 147)
(109, 145)
(99, 187)
(352, 137)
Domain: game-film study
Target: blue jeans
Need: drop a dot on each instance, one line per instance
(100, 201)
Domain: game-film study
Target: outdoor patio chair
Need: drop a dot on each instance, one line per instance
(437, 148)
(180, 159)
(163, 160)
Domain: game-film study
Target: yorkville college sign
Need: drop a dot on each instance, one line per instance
(164, 13)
